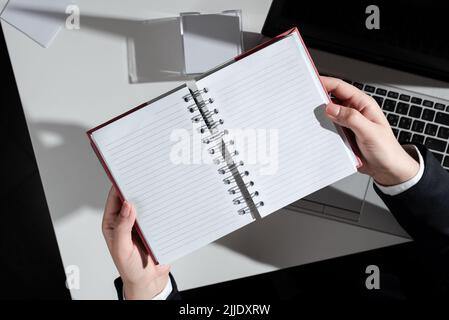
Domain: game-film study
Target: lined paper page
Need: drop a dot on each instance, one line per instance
(180, 207)
(276, 91)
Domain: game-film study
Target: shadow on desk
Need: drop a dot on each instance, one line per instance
(73, 175)
(154, 47)
(279, 240)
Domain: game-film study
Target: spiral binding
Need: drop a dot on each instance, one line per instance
(228, 168)
(231, 179)
(220, 159)
(195, 94)
(225, 157)
(247, 209)
(214, 137)
(220, 146)
(213, 125)
(241, 199)
(236, 189)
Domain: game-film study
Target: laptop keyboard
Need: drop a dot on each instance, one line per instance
(414, 118)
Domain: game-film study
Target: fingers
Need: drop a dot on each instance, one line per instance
(112, 207)
(123, 229)
(350, 118)
(113, 202)
(353, 97)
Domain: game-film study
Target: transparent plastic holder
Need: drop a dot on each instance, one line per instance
(178, 48)
(209, 40)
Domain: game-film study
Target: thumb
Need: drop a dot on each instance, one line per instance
(123, 230)
(349, 118)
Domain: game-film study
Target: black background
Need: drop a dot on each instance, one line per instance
(30, 262)
(412, 34)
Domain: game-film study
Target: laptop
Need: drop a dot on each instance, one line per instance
(393, 51)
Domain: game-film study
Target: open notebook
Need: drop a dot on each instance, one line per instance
(246, 139)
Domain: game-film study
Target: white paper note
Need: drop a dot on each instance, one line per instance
(40, 20)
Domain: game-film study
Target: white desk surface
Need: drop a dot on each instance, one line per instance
(81, 81)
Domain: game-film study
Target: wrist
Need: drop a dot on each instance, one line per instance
(403, 168)
(143, 291)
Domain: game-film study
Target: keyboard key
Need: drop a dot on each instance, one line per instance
(358, 85)
(443, 132)
(395, 132)
(438, 156)
(418, 126)
(405, 137)
(416, 100)
(446, 161)
(389, 105)
(404, 97)
(347, 81)
(369, 88)
(447, 108)
(393, 94)
(442, 118)
(428, 115)
(417, 138)
(415, 112)
(405, 123)
(435, 144)
(428, 103)
(381, 92)
(393, 120)
(431, 129)
(379, 100)
(439, 106)
(402, 108)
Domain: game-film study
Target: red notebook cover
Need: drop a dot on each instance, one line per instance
(243, 55)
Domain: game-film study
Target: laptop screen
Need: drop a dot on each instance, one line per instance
(408, 35)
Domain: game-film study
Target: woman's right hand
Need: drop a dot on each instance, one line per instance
(382, 156)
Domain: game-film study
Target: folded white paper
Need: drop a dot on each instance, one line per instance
(40, 20)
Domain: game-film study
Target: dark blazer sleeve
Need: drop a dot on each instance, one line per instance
(174, 295)
(423, 211)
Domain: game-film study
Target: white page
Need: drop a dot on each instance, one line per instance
(276, 91)
(40, 20)
(180, 207)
